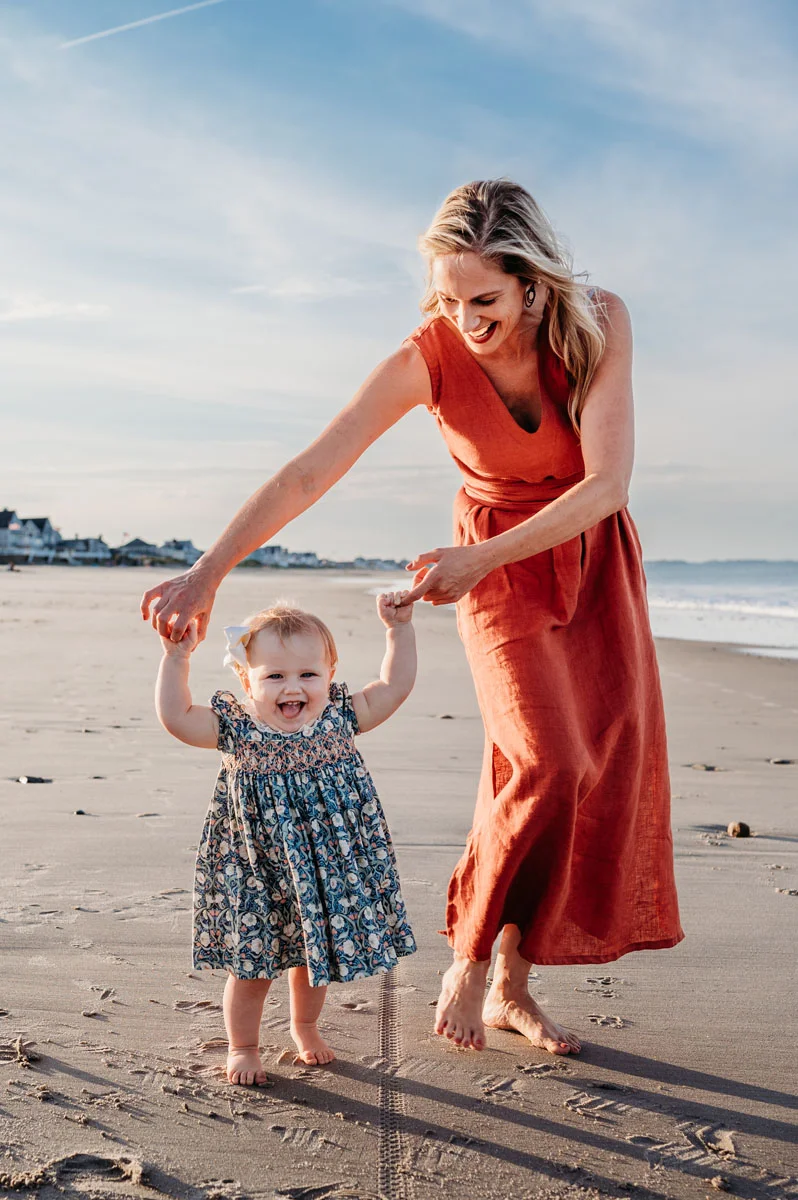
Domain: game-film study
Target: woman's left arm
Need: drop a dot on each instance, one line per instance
(607, 431)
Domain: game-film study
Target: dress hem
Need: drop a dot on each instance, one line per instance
(383, 969)
(591, 959)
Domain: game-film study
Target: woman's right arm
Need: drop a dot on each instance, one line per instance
(398, 384)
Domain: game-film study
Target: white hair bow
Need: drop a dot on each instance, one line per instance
(237, 637)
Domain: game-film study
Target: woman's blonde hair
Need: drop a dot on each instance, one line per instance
(286, 621)
(500, 221)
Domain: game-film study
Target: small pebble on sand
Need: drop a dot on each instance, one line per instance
(738, 829)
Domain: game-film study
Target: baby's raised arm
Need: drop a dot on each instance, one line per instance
(194, 724)
(380, 699)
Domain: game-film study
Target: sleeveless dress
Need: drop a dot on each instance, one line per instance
(295, 866)
(571, 838)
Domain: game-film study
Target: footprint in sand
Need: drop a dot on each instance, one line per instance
(196, 1006)
(603, 1019)
(538, 1070)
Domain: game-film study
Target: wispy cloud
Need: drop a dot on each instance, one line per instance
(34, 308)
(717, 72)
(314, 288)
(104, 33)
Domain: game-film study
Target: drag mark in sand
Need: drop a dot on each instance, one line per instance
(392, 1182)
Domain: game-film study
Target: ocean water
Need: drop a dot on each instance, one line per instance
(749, 604)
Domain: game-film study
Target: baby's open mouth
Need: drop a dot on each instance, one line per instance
(291, 708)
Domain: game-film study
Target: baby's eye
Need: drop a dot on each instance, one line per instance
(309, 674)
(274, 675)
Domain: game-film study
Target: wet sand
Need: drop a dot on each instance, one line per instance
(111, 1047)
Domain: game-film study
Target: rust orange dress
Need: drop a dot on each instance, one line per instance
(571, 838)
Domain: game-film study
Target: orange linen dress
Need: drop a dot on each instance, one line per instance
(571, 838)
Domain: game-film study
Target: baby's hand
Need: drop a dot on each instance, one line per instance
(390, 612)
(187, 644)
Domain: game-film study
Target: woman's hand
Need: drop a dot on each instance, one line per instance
(444, 576)
(172, 605)
(185, 647)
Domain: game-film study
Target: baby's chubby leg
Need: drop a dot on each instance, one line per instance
(243, 1009)
(306, 1005)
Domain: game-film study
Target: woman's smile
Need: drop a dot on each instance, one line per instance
(484, 334)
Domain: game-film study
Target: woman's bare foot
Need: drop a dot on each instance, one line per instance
(310, 1045)
(505, 1009)
(244, 1066)
(459, 1012)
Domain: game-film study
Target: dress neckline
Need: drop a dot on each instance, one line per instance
(304, 730)
(519, 431)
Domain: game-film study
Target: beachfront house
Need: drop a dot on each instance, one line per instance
(84, 550)
(27, 539)
(9, 530)
(184, 552)
(136, 552)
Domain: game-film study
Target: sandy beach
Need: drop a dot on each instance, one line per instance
(111, 1046)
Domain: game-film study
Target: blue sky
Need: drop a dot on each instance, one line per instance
(209, 225)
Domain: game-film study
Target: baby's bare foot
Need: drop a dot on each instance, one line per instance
(310, 1045)
(244, 1066)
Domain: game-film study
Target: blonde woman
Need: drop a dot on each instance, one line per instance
(528, 375)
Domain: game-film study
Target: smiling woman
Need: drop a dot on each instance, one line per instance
(527, 372)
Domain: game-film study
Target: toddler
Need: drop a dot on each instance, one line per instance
(295, 868)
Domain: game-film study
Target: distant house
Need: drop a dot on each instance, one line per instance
(306, 558)
(50, 538)
(269, 556)
(10, 526)
(30, 539)
(136, 551)
(84, 550)
(378, 564)
(185, 552)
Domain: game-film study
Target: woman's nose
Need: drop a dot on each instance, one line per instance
(466, 321)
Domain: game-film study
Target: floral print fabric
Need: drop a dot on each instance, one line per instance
(295, 866)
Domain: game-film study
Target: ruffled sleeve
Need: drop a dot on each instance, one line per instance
(342, 699)
(228, 710)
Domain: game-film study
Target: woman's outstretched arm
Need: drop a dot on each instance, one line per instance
(398, 384)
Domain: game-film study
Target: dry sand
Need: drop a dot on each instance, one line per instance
(111, 1047)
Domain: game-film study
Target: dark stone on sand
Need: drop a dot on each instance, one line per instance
(738, 829)
(446, 717)
(782, 762)
(80, 812)
(32, 779)
(703, 766)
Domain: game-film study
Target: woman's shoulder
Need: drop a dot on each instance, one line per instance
(430, 345)
(608, 307)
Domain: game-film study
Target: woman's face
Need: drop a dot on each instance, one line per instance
(482, 301)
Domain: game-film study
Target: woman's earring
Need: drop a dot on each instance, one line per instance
(529, 296)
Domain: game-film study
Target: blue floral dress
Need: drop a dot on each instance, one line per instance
(296, 866)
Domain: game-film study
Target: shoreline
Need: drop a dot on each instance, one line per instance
(376, 576)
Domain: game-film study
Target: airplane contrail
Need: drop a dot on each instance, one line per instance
(174, 12)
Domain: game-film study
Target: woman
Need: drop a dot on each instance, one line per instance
(528, 374)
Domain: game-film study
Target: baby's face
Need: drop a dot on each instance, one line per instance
(289, 681)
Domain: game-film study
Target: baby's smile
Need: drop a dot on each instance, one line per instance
(289, 679)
